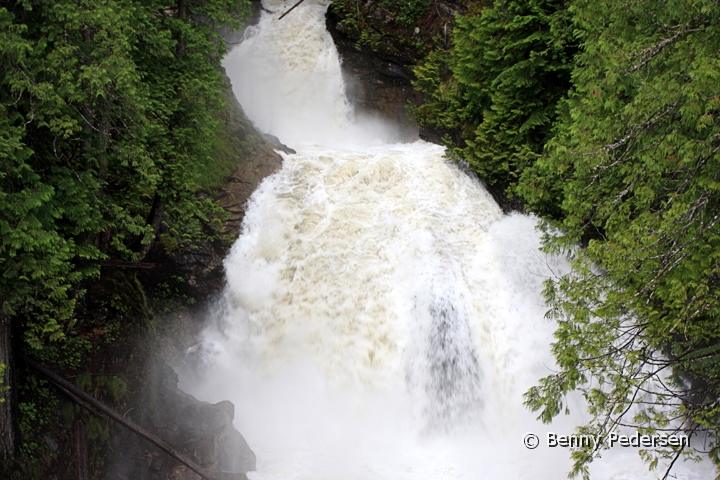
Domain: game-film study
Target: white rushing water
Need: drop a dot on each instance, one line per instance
(382, 317)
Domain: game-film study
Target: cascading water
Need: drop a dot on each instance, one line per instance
(382, 318)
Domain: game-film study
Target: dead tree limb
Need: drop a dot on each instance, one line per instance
(76, 393)
(291, 9)
(122, 264)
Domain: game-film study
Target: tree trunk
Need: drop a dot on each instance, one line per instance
(155, 220)
(8, 445)
(82, 471)
(291, 9)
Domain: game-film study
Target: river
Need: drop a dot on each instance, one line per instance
(382, 317)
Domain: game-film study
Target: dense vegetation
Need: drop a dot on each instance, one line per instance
(107, 120)
(402, 30)
(109, 132)
(603, 117)
(511, 65)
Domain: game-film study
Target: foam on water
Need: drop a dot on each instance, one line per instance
(382, 317)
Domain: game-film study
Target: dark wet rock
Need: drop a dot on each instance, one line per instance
(275, 142)
(432, 135)
(51, 443)
(379, 78)
(508, 204)
(201, 266)
(202, 431)
(202, 263)
(390, 36)
(376, 85)
(253, 170)
(235, 37)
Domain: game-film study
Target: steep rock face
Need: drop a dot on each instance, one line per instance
(380, 43)
(263, 162)
(403, 31)
(201, 264)
(203, 432)
(234, 37)
(377, 85)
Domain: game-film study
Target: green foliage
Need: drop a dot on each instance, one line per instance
(389, 26)
(233, 138)
(356, 14)
(36, 412)
(604, 116)
(108, 117)
(67, 354)
(510, 65)
(114, 117)
(443, 106)
(634, 167)
(408, 11)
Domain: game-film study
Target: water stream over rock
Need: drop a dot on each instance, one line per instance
(382, 317)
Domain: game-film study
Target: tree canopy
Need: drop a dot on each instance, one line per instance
(603, 118)
(634, 164)
(107, 121)
(510, 65)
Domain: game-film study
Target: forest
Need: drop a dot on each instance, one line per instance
(596, 116)
(112, 135)
(600, 117)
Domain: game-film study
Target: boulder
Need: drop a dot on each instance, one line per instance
(277, 144)
(204, 432)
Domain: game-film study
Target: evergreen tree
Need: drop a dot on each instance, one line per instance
(510, 65)
(107, 115)
(634, 165)
(107, 119)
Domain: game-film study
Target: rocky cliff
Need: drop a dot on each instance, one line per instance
(380, 43)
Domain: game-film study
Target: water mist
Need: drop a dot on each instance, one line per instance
(382, 317)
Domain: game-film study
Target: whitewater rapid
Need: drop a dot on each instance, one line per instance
(382, 318)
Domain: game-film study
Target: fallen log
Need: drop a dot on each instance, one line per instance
(86, 399)
(291, 9)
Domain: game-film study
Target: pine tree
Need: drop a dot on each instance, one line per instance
(510, 64)
(634, 166)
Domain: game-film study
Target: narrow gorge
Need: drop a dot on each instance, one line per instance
(381, 317)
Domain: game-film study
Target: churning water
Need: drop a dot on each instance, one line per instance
(382, 317)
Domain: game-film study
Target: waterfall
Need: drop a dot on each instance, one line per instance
(382, 317)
